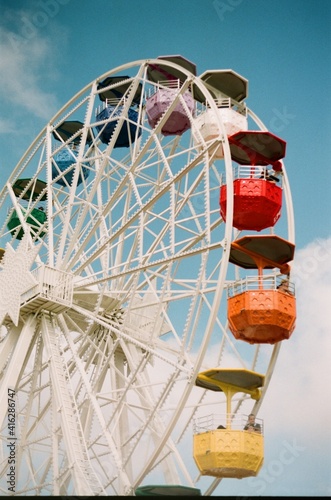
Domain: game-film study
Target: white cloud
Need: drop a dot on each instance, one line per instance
(297, 407)
(301, 381)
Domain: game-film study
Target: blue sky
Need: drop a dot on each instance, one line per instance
(50, 49)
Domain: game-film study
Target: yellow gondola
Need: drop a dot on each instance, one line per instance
(229, 452)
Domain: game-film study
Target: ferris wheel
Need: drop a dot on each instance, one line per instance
(115, 264)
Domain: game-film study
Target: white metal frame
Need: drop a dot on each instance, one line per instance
(105, 399)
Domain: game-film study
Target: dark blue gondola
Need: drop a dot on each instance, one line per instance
(112, 91)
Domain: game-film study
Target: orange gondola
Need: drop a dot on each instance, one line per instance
(260, 310)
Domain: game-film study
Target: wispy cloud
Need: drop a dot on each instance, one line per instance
(23, 73)
(7, 126)
(32, 41)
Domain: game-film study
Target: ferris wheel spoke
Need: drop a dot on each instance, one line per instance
(126, 223)
(185, 252)
(94, 405)
(70, 422)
